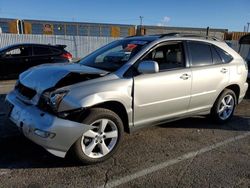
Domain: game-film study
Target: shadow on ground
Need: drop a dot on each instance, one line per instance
(237, 123)
(18, 152)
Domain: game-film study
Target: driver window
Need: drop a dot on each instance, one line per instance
(169, 56)
(108, 54)
(13, 52)
(119, 54)
(17, 52)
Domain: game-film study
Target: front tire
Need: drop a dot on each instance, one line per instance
(224, 106)
(101, 142)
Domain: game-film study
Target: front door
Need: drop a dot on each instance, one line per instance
(165, 94)
(15, 60)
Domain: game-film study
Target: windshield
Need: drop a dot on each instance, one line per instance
(112, 56)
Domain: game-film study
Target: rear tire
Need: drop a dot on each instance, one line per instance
(224, 106)
(101, 142)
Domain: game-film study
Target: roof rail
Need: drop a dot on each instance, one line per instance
(169, 35)
(188, 35)
(132, 36)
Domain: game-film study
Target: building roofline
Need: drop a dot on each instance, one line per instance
(185, 28)
(73, 22)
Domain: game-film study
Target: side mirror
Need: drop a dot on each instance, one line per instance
(147, 67)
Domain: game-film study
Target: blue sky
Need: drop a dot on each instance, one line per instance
(228, 14)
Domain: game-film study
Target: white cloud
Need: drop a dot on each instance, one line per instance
(164, 21)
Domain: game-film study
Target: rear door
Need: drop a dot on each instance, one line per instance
(41, 55)
(210, 75)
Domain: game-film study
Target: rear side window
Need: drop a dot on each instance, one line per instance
(226, 57)
(42, 51)
(200, 54)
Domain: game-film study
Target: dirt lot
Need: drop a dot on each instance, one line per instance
(189, 153)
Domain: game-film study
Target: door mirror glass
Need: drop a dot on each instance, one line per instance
(147, 67)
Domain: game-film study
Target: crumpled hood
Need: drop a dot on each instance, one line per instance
(47, 76)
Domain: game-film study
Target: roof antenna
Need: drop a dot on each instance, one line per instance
(207, 32)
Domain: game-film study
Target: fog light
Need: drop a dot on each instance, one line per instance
(44, 134)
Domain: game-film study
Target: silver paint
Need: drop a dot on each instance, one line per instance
(147, 98)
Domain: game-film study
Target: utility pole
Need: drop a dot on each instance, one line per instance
(140, 31)
(141, 17)
(248, 23)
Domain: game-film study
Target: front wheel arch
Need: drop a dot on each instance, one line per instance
(117, 108)
(94, 115)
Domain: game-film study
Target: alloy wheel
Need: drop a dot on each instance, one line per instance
(226, 107)
(100, 140)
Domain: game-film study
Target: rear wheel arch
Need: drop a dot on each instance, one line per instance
(221, 111)
(236, 89)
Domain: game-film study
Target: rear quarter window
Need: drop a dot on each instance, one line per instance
(37, 50)
(55, 51)
(226, 57)
(216, 57)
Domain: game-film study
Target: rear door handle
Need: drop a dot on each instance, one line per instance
(185, 76)
(223, 70)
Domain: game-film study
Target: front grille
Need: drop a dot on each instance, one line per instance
(25, 91)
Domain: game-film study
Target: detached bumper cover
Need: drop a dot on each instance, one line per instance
(29, 119)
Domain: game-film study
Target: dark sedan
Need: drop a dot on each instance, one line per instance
(17, 58)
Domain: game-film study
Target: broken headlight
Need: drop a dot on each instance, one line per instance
(56, 98)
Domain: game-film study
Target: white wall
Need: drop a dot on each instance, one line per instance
(79, 46)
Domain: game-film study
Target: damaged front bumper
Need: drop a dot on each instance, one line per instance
(56, 135)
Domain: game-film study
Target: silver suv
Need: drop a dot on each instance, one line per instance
(128, 84)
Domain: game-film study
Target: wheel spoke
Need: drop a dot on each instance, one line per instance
(90, 147)
(111, 134)
(104, 148)
(224, 102)
(221, 110)
(229, 99)
(103, 125)
(90, 133)
(230, 107)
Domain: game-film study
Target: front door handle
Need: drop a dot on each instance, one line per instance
(185, 76)
(223, 70)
